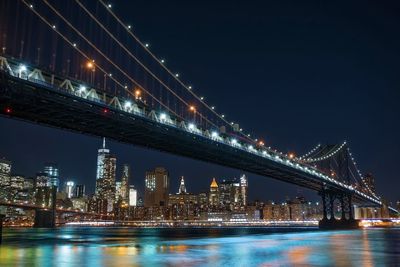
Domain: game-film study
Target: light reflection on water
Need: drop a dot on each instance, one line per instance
(120, 247)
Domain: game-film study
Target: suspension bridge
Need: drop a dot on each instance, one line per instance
(61, 66)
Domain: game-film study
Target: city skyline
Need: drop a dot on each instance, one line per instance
(274, 72)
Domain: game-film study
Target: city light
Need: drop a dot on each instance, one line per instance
(192, 108)
(82, 89)
(214, 134)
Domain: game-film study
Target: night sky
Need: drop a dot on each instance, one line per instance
(294, 74)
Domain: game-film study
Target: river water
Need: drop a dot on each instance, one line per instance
(64, 247)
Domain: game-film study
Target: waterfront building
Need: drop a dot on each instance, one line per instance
(132, 196)
(79, 191)
(214, 194)
(243, 191)
(105, 179)
(52, 172)
(156, 187)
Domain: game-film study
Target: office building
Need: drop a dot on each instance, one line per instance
(214, 194)
(105, 180)
(156, 188)
(5, 172)
(79, 190)
(132, 196)
(124, 191)
(69, 187)
(52, 172)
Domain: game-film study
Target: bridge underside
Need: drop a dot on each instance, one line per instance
(43, 105)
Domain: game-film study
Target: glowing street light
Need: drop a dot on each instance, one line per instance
(214, 134)
(137, 93)
(191, 126)
(291, 155)
(192, 108)
(234, 141)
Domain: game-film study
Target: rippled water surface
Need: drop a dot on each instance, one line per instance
(199, 247)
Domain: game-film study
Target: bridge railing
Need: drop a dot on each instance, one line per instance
(137, 107)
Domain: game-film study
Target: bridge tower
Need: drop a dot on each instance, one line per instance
(46, 218)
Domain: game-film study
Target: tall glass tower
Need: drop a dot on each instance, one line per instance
(51, 170)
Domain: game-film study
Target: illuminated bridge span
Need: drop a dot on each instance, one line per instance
(116, 87)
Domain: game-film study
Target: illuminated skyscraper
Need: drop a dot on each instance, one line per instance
(182, 187)
(42, 180)
(156, 188)
(132, 196)
(69, 187)
(5, 172)
(80, 190)
(243, 190)
(105, 182)
(51, 170)
(214, 195)
(125, 182)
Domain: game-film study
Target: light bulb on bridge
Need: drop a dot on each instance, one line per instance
(191, 126)
(192, 108)
(22, 68)
(163, 116)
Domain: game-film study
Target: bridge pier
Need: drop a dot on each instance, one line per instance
(329, 222)
(47, 218)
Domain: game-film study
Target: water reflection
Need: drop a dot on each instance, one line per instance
(198, 247)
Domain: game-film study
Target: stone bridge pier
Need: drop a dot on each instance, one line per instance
(331, 199)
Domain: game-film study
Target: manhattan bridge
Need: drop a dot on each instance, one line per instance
(62, 66)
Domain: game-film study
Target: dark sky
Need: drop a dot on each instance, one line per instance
(293, 73)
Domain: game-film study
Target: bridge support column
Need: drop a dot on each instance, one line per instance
(47, 218)
(347, 220)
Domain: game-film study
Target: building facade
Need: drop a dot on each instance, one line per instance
(156, 188)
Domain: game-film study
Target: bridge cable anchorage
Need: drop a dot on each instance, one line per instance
(160, 62)
(134, 57)
(88, 58)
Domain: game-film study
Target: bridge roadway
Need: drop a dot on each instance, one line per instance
(42, 102)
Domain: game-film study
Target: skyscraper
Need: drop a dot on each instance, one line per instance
(214, 195)
(51, 170)
(125, 182)
(105, 180)
(156, 188)
(69, 187)
(5, 172)
(80, 190)
(182, 187)
(132, 196)
(243, 190)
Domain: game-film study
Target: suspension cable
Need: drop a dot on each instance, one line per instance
(107, 58)
(135, 58)
(165, 68)
(82, 53)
